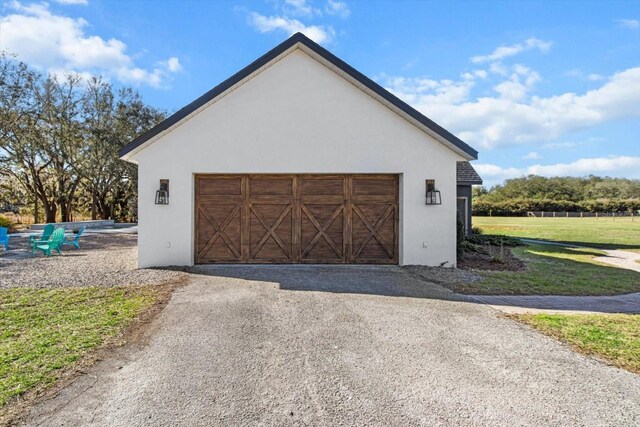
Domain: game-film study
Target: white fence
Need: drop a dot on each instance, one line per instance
(543, 214)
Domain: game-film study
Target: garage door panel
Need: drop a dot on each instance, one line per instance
(322, 232)
(218, 232)
(373, 232)
(371, 186)
(212, 186)
(296, 218)
(321, 186)
(270, 232)
(270, 186)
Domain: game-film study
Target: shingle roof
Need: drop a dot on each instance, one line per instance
(466, 174)
(328, 56)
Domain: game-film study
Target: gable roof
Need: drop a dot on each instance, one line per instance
(435, 130)
(467, 175)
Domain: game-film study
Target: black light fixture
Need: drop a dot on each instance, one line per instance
(162, 195)
(433, 195)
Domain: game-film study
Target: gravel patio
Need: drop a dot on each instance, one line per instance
(105, 259)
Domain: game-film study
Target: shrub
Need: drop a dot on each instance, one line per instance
(5, 222)
(476, 231)
(520, 206)
(460, 237)
(493, 240)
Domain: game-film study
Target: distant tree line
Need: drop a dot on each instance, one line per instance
(560, 194)
(59, 138)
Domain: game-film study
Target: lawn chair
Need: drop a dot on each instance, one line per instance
(4, 237)
(76, 240)
(46, 234)
(46, 246)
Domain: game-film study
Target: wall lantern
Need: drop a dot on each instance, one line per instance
(433, 195)
(162, 195)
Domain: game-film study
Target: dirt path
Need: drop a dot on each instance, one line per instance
(621, 259)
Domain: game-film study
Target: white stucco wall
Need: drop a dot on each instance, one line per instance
(296, 116)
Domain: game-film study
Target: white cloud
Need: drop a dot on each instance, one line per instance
(519, 84)
(82, 2)
(265, 24)
(617, 166)
(595, 77)
(57, 43)
(601, 165)
(534, 155)
(633, 24)
(300, 8)
(338, 7)
(418, 91)
(173, 65)
(506, 51)
(490, 122)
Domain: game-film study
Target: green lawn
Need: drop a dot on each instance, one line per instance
(621, 233)
(42, 332)
(556, 270)
(614, 337)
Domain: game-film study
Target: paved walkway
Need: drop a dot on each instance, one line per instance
(520, 304)
(339, 345)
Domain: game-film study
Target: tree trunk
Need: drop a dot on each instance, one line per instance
(64, 214)
(35, 209)
(94, 213)
(50, 212)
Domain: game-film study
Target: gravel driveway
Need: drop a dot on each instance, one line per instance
(103, 260)
(348, 345)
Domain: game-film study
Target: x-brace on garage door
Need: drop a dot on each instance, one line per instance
(296, 219)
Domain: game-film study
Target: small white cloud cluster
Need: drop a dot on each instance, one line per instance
(266, 24)
(73, 2)
(59, 44)
(503, 52)
(291, 12)
(632, 24)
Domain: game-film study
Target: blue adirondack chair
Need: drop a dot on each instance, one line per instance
(76, 240)
(46, 246)
(4, 237)
(46, 234)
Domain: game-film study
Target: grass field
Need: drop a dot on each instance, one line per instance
(556, 270)
(42, 332)
(606, 233)
(614, 337)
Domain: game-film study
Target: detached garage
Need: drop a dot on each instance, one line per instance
(297, 158)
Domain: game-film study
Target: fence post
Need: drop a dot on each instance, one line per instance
(596, 215)
(567, 214)
(542, 214)
(581, 214)
(614, 216)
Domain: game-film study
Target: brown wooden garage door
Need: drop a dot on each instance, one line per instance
(296, 219)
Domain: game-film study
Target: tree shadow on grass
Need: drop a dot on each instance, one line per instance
(610, 246)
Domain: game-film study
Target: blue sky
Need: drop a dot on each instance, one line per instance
(537, 87)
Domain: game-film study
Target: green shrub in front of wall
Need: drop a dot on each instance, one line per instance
(5, 222)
